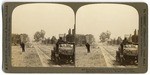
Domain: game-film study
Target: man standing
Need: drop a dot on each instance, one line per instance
(60, 40)
(124, 42)
(88, 47)
(22, 46)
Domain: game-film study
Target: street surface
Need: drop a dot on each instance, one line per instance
(39, 55)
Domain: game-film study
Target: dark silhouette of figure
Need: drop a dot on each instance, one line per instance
(124, 42)
(60, 40)
(22, 46)
(88, 47)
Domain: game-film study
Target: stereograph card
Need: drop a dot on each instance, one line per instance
(75, 37)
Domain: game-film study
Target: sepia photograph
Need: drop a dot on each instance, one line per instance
(107, 36)
(54, 35)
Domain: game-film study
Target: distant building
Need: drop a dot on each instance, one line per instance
(73, 31)
(70, 36)
(135, 37)
(132, 38)
(79, 39)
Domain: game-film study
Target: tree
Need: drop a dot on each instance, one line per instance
(39, 35)
(53, 40)
(15, 39)
(104, 36)
(24, 38)
(119, 40)
(90, 38)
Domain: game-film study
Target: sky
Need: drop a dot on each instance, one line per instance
(54, 19)
(119, 19)
(93, 19)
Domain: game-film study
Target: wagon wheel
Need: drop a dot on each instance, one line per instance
(117, 57)
(122, 61)
(57, 59)
(52, 56)
(72, 59)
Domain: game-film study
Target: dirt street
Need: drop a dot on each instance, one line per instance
(109, 53)
(92, 59)
(29, 58)
(40, 56)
